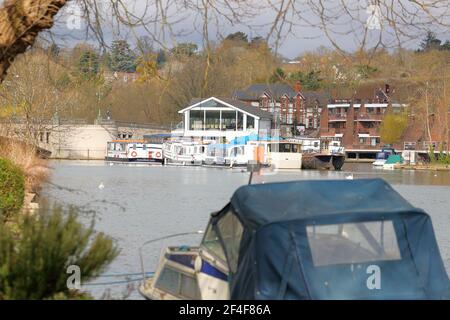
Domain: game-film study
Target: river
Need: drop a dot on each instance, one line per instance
(139, 203)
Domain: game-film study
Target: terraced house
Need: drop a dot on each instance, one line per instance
(294, 111)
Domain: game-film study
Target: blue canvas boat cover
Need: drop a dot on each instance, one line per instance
(340, 239)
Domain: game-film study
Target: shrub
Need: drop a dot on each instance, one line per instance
(34, 264)
(393, 127)
(12, 188)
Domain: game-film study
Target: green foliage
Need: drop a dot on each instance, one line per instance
(185, 49)
(278, 76)
(123, 58)
(89, 64)
(237, 37)
(309, 81)
(34, 264)
(161, 58)
(431, 42)
(365, 71)
(12, 189)
(393, 126)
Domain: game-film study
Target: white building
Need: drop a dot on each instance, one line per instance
(223, 120)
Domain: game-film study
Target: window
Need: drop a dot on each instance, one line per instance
(240, 121)
(168, 280)
(230, 229)
(196, 119)
(353, 243)
(373, 142)
(250, 122)
(212, 120)
(229, 120)
(178, 283)
(211, 242)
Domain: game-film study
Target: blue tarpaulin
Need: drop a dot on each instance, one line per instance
(340, 239)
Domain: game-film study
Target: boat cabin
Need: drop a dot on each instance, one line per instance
(340, 239)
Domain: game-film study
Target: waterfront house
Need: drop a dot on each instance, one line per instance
(355, 122)
(223, 120)
(293, 111)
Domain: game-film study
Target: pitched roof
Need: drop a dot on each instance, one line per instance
(311, 97)
(275, 91)
(235, 103)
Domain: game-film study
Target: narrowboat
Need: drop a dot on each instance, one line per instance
(343, 239)
(133, 151)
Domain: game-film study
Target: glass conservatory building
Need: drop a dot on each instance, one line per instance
(224, 119)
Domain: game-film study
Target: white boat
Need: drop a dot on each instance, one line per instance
(133, 151)
(229, 155)
(183, 153)
(285, 155)
(190, 273)
(382, 156)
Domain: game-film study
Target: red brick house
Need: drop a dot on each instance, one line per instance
(294, 111)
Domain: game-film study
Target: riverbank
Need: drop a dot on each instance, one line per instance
(424, 167)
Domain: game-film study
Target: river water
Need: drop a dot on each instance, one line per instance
(139, 203)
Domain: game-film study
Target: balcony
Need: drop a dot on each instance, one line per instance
(337, 117)
(332, 131)
(370, 117)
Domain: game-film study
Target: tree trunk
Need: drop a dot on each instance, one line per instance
(20, 23)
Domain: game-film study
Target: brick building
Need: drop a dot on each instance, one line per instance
(294, 111)
(356, 121)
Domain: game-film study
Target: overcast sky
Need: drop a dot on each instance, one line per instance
(298, 40)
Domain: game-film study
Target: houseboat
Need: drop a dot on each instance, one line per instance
(133, 151)
(229, 154)
(185, 153)
(285, 155)
(284, 241)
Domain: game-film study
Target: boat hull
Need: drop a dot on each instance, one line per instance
(323, 161)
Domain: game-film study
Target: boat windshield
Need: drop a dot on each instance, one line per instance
(230, 229)
(212, 244)
(353, 243)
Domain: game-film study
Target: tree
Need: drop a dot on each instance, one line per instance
(278, 76)
(20, 23)
(238, 37)
(88, 65)
(393, 126)
(122, 58)
(34, 265)
(187, 49)
(161, 58)
(309, 81)
(430, 42)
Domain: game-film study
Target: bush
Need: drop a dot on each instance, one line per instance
(12, 188)
(34, 264)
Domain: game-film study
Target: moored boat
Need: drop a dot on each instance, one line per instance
(185, 153)
(323, 161)
(382, 156)
(299, 240)
(133, 151)
(285, 155)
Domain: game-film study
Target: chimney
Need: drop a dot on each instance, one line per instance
(298, 87)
